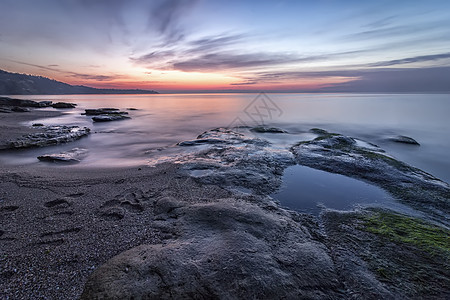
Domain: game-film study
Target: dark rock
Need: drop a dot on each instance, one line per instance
(318, 131)
(103, 111)
(132, 108)
(5, 110)
(72, 156)
(6, 101)
(38, 125)
(47, 136)
(109, 118)
(264, 129)
(45, 103)
(404, 140)
(20, 109)
(63, 105)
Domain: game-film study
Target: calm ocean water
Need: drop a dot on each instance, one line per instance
(163, 120)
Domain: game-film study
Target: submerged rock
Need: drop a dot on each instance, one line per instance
(47, 136)
(20, 109)
(109, 118)
(404, 140)
(63, 105)
(103, 111)
(264, 129)
(343, 155)
(5, 110)
(72, 156)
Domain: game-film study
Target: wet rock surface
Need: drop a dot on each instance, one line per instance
(374, 265)
(233, 159)
(109, 118)
(266, 129)
(103, 111)
(6, 101)
(72, 156)
(343, 155)
(63, 105)
(106, 114)
(47, 136)
(404, 140)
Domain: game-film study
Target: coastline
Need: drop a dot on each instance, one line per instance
(62, 228)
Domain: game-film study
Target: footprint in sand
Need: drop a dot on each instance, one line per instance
(133, 202)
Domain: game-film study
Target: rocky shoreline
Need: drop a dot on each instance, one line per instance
(202, 225)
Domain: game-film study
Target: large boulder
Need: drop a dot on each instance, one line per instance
(228, 250)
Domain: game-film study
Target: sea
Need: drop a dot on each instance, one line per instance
(159, 121)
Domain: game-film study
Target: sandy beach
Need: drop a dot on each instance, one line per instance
(173, 236)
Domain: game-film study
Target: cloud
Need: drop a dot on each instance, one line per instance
(226, 61)
(390, 80)
(164, 16)
(409, 60)
(381, 22)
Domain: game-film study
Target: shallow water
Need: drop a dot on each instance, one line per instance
(309, 190)
(163, 120)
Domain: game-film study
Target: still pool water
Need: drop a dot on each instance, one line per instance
(309, 190)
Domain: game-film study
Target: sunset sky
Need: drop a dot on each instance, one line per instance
(176, 45)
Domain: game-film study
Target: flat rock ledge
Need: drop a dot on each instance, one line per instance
(47, 136)
(72, 156)
(106, 114)
(6, 101)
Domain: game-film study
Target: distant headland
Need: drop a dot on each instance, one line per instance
(23, 84)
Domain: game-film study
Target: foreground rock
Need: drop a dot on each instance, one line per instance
(72, 156)
(380, 254)
(228, 249)
(347, 156)
(47, 136)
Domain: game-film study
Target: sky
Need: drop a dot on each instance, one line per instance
(191, 46)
